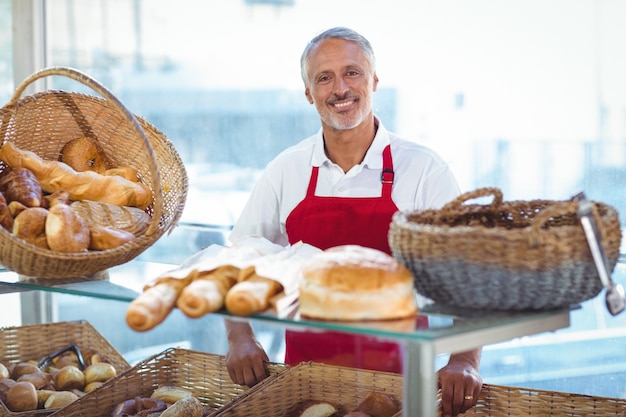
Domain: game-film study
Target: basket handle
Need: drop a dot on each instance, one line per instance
(450, 208)
(106, 94)
(559, 209)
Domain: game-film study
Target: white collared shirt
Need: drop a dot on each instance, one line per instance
(422, 181)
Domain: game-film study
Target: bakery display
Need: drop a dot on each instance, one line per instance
(54, 381)
(138, 407)
(356, 283)
(245, 279)
(167, 400)
(79, 203)
(82, 185)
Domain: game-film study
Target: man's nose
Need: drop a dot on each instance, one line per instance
(340, 86)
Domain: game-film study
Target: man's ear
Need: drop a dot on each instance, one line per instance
(307, 93)
(375, 82)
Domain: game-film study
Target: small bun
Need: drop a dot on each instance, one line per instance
(313, 408)
(85, 154)
(379, 404)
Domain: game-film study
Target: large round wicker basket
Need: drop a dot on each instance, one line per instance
(44, 121)
(512, 255)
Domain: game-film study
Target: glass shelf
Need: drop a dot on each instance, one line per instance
(435, 329)
(125, 282)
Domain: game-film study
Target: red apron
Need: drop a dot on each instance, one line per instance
(325, 222)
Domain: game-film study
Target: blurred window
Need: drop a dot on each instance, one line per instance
(528, 96)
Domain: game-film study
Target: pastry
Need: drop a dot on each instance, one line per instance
(21, 184)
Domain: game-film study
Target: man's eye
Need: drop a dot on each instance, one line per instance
(323, 79)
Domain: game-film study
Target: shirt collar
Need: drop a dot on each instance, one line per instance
(373, 158)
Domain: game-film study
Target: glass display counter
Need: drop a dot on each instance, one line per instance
(449, 330)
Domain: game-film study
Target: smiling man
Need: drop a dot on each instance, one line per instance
(339, 187)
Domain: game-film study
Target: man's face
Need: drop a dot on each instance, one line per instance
(341, 83)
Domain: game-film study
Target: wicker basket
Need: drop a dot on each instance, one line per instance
(34, 342)
(515, 255)
(45, 121)
(204, 374)
(343, 387)
(501, 401)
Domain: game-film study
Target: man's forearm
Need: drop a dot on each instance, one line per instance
(236, 331)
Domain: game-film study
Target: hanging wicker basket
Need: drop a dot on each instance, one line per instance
(508, 255)
(43, 122)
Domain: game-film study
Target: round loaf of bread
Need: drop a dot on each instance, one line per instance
(351, 282)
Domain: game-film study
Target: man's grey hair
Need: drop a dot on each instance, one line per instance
(337, 33)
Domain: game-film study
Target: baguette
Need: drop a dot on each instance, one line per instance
(88, 185)
(252, 294)
(207, 292)
(154, 304)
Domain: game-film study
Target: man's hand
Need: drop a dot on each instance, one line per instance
(246, 358)
(460, 383)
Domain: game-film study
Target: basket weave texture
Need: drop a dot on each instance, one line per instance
(43, 122)
(204, 374)
(34, 342)
(507, 255)
(501, 401)
(343, 387)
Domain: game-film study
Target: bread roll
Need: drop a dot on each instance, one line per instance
(378, 404)
(23, 368)
(87, 185)
(5, 385)
(68, 378)
(6, 217)
(313, 408)
(251, 295)
(38, 379)
(60, 399)
(352, 282)
(21, 397)
(66, 231)
(97, 213)
(30, 225)
(15, 208)
(99, 372)
(186, 407)
(170, 394)
(85, 154)
(104, 238)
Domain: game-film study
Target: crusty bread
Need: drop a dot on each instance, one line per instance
(378, 404)
(352, 282)
(66, 231)
(313, 408)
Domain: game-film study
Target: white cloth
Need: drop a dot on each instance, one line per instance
(422, 181)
